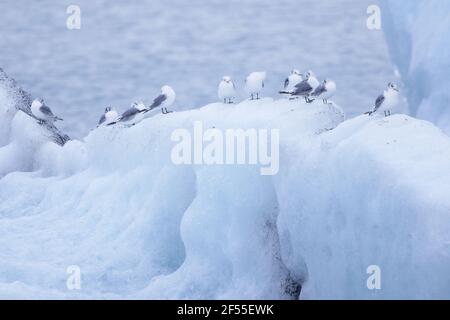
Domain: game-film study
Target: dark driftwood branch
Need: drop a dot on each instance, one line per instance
(22, 101)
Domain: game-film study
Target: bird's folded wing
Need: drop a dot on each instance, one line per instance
(102, 119)
(158, 101)
(319, 90)
(46, 110)
(129, 114)
(379, 102)
(303, 87)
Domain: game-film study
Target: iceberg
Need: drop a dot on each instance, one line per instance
(349, 194)
(418, 37)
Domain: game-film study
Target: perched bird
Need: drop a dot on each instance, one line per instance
(132, 116)
(227, 90)
(312, 79)
(42, 112)
(108, 117)
(304, 88)
(387, 101)
(325, 90)
(294, 78)
(254, 83)
(164, 100)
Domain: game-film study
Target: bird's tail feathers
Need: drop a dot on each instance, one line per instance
(58, 119)
(114, 122)
(285, 92)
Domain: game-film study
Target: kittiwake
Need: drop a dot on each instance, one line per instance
(254, 84)
(42, 112)
(227, 90)
(386, 101)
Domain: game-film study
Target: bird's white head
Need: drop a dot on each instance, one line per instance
(167, 90)
(226, 79)
(170, 95)
(37, 103)
(107, 109)
(393, 86)
(330, 85)
(295, 71)
(309, 74)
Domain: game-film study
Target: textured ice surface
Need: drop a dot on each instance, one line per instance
(373, 191)
(419, 42)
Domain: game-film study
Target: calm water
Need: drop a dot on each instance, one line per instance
(125, 51)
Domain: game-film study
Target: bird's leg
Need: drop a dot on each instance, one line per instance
(224, 100)
(385, 113)
(251, 96)
(306, 99)
(389, 112)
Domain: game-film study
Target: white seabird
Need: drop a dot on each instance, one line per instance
(108, 117)
(133, 115)
(164, 100)
(387, 101)
(325, 91)
(294, 78)
(42, 112)
(304, 88)
(254, 83)
(227, 90)
(312, 79)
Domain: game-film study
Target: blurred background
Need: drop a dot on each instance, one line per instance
(125, 51)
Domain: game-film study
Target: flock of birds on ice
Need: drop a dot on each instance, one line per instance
(296, 85)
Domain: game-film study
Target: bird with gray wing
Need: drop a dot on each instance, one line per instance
(42, 112)
(108, 117)
(386, 101)
(164, 100)
(304, 88)
(293, 79)
(131, 116)
(325, 90)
